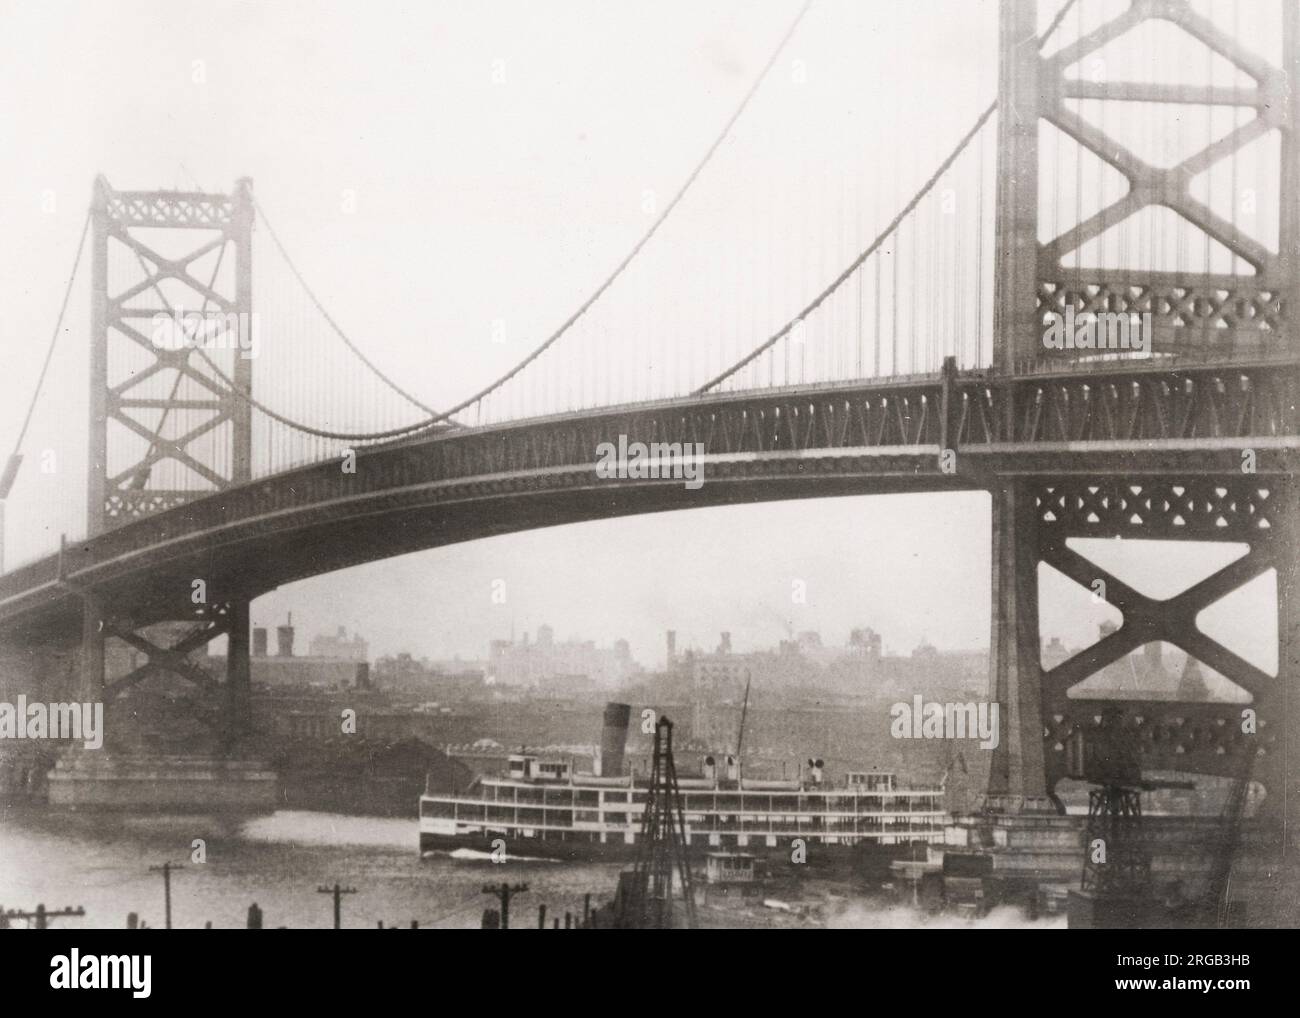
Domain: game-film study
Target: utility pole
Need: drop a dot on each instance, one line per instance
(504, 893)
(166, 870)
(40, 917)
(338, 893)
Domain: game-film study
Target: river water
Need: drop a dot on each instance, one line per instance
(101, 861)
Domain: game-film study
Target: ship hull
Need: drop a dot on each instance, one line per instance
(528, 848)
(821, 858)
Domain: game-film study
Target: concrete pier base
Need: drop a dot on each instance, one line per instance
(1029, 851)
(1026, 848)
(136, 782)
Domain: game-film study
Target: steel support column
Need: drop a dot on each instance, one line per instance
(241, 413)
(1286, 796)
(97, 452)
(1288, 580)
(1017, 769)
(92, 650)
(1016, 335)
(1289, 196)
(238, 706)
(226, 707)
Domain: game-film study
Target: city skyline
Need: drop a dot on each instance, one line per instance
(932, 586)
(558, 582)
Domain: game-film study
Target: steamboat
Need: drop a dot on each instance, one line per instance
(541, 808)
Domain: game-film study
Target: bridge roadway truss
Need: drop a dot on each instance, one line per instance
(1079, 444)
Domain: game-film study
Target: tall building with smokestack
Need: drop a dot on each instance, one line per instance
(284, 638)
(672, 648)
(288, 668)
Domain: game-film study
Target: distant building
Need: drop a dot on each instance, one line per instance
(373, 722)
(314, 672)
(467, 685)
(321, 671)
(925, 651)
(404, 673)
(401, 671)
(284, 638)
(1054, 653)
(719, 676)
(537, 663)
(341, 646)
(803, 663)
(865, 643)
(567, 685)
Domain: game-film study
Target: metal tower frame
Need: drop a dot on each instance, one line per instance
(662, 867)
(124, 219)
(120, 321)
(1203, 318)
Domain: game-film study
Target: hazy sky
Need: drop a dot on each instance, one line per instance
(439, 168)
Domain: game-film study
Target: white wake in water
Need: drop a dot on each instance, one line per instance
(474, 855)
(858, 916)
(304, 827)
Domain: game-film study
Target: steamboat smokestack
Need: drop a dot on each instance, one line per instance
(613, 739)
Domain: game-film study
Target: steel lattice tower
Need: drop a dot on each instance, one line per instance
(662, 870)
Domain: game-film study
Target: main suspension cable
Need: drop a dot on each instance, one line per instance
(654, 227)
(338, 331)
(885, 234)
(54, 339)
(857, 262)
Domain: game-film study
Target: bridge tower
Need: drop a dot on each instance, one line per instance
(172, 347)
(1223, 341)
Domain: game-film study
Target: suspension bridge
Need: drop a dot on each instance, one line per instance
(1138, 162)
